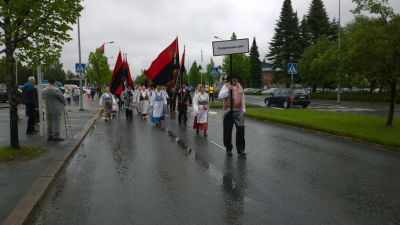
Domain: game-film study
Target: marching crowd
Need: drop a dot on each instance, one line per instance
(147, 102)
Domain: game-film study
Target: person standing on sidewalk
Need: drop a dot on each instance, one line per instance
(31, 101)
(200, 108)
(55, 103)
(128, 97)
(184, 101)
(234, 100)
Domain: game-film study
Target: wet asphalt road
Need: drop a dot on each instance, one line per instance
(135, 173)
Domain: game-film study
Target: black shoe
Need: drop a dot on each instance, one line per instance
(242, 154)
(205, 134)
(229, 153)
(31, 133)
(49, 138)
(197, 131)
(58, 139)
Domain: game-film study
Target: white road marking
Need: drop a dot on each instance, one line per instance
(217, 145)
(213, 113)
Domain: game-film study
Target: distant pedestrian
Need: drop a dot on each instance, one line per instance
(92, 92)
(211, 92)
(184, 101)
(234, 101)
(67, 95)
(159, 104)
(75, 95)
(55, 103)
(200, 109)
(128, 97)
(30, 99)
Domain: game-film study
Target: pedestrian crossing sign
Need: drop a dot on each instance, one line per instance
(214, 71)
(292, 68)
(80, 68)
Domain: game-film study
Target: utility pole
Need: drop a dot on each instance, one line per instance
(339, 58)
(80, 71)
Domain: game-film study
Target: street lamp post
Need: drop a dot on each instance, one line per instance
(80, 72)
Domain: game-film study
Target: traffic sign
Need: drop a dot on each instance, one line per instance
(80, 68)
(292, 68)
(214, 71)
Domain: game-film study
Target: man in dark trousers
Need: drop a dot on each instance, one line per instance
(184, 100)
(30, 99)
(234, 101)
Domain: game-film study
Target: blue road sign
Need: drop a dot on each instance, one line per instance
(292, 68)
(214, 71)
(80, 68)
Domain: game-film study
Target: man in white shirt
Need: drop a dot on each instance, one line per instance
(234, 101)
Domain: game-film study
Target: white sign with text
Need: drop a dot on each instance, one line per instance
(230, 47)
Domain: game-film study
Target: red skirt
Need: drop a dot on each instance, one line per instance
(200, 126)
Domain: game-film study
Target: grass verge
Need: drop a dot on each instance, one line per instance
(368, 128)
(25, 153)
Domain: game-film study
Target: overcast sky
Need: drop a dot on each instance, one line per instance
(142, 29)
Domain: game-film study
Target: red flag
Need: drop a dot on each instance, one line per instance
(117, 75)
(161, 69)
(101, 48)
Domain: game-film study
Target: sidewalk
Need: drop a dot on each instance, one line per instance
(18, 177)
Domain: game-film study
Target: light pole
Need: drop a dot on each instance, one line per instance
(80, 71)
(339, 59)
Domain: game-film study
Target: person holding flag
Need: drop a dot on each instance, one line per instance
(184, 101)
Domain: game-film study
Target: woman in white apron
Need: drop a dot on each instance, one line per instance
(158, 103)
(200, 108)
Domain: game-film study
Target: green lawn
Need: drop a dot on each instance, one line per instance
(369, 128)
(25, 153)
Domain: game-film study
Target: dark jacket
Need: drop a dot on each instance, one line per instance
(184, 99)
(30, 96)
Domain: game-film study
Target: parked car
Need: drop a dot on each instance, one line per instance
(3, 95)
(269, 91)
(288, 97)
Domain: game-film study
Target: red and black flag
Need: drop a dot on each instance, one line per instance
(163, 67)
(182, 70)
(121, 74)
(101, 48)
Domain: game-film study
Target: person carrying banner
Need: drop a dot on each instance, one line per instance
(234, 101)
(184, 101)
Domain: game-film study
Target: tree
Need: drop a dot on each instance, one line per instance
(240, 64)
(98, 71)
(255, 65)
(317, 20)
(285, 46)
(55, 71)
(35, 31)
(384, 46)
(194, 76)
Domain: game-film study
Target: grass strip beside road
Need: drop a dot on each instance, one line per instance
(25, 153)
(368, 128)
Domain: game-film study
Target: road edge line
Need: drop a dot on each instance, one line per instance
(27, 206)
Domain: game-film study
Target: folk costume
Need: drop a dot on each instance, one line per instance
(184, 100)
(200, 108)
(234, 103)
(128, 97)
(159, 104)
(144, 103)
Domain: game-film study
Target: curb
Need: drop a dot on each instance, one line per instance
(26, 207)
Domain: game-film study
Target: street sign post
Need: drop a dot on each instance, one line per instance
(214, 71)
(292, 69)
(80, 68)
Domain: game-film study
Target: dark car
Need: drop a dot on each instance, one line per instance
(288, 97)
(3, 95)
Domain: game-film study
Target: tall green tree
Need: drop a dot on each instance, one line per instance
(285, 46)
(255, 65)
(240, 64)
(194, 75)
(35, 30)
(98, 71)
(318, 20)
(55, 71)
